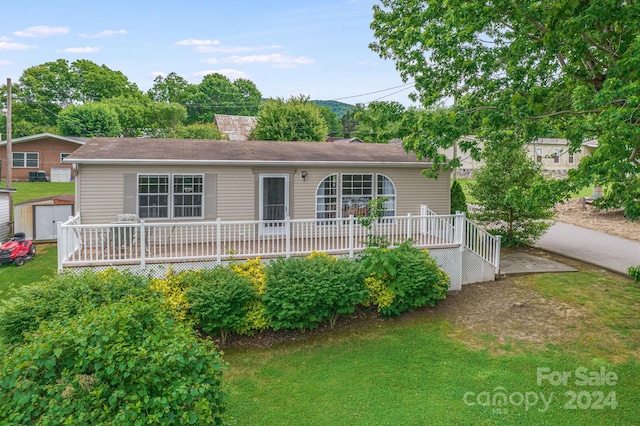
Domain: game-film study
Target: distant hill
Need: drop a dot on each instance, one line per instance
(339, 108)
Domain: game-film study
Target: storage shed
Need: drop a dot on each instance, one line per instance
(5, 213)
(37, 218)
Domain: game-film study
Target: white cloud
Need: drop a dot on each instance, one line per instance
(196, 43)
(276, 59)
(155, 74)
(80, 50)
(211, 61)
(231, 73)
(5, 44)
(105, 33)
(236, 49)
(41, 31)
(4, 63)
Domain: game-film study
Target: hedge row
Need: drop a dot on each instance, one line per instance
(302, 293)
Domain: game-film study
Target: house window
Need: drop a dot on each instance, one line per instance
(153, 196)
(556, 155)
(64, 155)
(327, 198)
(387, 189)
(355, 191)
(570, 159)
(181, 195)
(26, 160)
(538, 155)
(187, 196)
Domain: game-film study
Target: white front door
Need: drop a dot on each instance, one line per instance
(274, 201)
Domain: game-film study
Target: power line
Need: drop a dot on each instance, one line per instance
(377, 91)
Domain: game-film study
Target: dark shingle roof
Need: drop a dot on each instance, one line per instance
(185, 151)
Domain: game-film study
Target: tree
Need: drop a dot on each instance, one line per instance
(98, 82)
(216, 94)
(458, 199)
(513, 195)
(570, 68)
(297, 119)
(199, 131)
(141, 117)
(89, 120)
(349, 121)
(171, 89)
(379, 122)
(330, 117)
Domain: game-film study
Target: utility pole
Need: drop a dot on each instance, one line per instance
(9, 148)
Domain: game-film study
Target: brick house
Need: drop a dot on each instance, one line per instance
(39, 156)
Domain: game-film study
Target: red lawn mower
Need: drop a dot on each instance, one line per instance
(17, 250)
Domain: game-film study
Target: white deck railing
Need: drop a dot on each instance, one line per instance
(139, 243)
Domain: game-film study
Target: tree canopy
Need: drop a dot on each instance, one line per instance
(296, 119)
(570, 69)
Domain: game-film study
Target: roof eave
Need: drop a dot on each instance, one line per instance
(245, 163)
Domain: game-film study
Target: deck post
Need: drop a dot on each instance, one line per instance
(497, 251)
(218, 241)
(460, 225)
(287, 230)
(409, 226)
(62, 249)
(143, 245)
(351, 232)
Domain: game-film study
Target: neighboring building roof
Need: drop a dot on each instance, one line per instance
(57, 199)
(195, 151)
(74, 139)
(344, 140)
(236, 127)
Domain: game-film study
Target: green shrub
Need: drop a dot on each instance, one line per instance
(219, 300)
(634, 272)
(126, 362)
(402, 279)
(63, 296)
(304, 292)
(458, 199)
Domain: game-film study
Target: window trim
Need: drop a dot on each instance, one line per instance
(556, 155)
(170, 196)
(24, 160)
(539, 154)
(66, 154)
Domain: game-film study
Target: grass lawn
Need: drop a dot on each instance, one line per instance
(31, 190)
(43, 264)
(422, 368)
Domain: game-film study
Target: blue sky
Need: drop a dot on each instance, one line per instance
(287, 48)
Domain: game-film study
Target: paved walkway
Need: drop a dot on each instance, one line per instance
(604, 250)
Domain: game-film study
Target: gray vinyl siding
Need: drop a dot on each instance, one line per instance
(101, 189)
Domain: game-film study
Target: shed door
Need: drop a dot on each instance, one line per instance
(60, 174)
(46, 217)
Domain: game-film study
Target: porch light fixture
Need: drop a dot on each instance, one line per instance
(303, 174)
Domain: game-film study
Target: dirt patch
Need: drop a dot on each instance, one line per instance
(510, 312)
(612, 222)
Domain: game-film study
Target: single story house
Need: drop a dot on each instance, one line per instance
(5, 213)
(552, 154)
(197, 180)
(39, 157)
(154, 203)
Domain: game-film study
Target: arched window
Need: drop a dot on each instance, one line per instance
(350, 193)
(327, 198)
